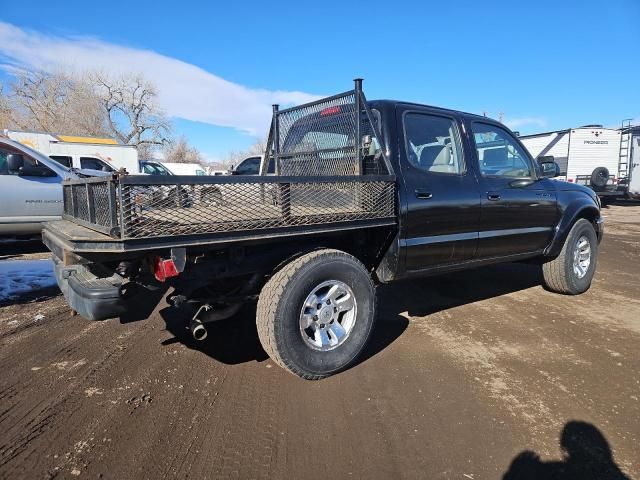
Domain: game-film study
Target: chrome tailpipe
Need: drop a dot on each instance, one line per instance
(198, 330)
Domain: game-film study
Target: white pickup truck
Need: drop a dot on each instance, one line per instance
(30, 188)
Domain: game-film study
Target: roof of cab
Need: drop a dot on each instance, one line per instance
(392, 103)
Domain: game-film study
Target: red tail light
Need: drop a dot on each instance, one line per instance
(163, 269)
(329, 111)
(570, 180)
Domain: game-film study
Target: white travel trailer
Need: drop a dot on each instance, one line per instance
(578, 151)
(104, 154)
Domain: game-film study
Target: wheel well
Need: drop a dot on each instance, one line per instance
(591, 215)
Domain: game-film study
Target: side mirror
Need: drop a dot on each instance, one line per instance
(549, 168)
(15, 161)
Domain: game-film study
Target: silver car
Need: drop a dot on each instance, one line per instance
(30, 188)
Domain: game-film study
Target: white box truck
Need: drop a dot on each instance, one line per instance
(103, 154)
(588, 155)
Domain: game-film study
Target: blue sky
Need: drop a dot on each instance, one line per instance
(543, 64)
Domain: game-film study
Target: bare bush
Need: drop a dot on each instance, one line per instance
(181, 152)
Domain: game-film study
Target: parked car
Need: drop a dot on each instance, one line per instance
(72, 151)
(30, 188)
(400, 190)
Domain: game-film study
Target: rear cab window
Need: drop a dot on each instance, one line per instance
(62, 160)
(322, 144)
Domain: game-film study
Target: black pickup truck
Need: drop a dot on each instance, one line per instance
(365, 192)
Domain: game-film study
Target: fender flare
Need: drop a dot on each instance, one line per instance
(583, 207)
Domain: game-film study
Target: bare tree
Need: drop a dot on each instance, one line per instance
(133, 115)
(180, 151)
(6, 111)
(54, 103)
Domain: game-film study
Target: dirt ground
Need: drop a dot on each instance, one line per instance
(465, 374)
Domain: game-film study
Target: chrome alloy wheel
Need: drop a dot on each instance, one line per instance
(328, 315)
(581, 256)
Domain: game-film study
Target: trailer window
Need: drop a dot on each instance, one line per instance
(62, 160)
(499, 154)
(92, 163)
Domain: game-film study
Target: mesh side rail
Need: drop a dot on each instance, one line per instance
(190, 209)
(92, 203)
(145, 207)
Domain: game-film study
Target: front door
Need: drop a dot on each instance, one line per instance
(442, 196)
(519, 210)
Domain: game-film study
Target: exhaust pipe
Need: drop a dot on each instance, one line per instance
(198, 330)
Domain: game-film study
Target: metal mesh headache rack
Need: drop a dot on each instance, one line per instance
(323, 176)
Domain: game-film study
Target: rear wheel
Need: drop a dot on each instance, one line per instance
(315, 315)
(571, 272)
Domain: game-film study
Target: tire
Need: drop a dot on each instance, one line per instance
(281, 309)
(560, 275)
(599, 177)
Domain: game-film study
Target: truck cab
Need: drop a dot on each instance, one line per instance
(471, 192)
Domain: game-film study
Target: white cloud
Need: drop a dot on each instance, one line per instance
(514, 123)
(185, 90)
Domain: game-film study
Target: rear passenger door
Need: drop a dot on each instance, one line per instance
(519, 209)
(442, 197)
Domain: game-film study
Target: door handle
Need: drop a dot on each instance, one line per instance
(423, 194)
(493, 196)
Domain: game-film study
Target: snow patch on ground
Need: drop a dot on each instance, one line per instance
(18, 277)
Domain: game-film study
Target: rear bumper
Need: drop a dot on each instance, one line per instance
(93, 296)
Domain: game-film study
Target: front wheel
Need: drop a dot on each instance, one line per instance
(315, 315)
(571, 272)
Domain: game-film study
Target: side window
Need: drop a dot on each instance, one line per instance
(30, 167)
(250, 166)
(499, 154)
(62, 160)
(433, 143)
(94, 164)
